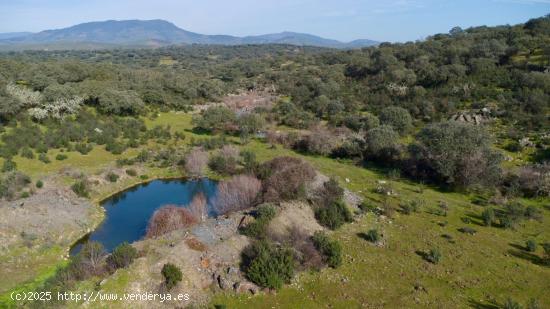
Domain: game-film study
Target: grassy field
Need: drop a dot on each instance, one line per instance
(479, 271)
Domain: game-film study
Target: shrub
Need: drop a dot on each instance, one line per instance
(285, 178)
(8, 166)
(467, 230)
(373, 236)
(27, 153)
(531, 245)
(397, 117)
(514, 213)
(382, 144)
(488, 216)
(169, 218)
(264, 214)
(44, 158)
(334, 216)
(112, 177)
(131, 172)
(217, 119)
(81, 188)
(122, 256)
(330, 249)
(91, 258)
(268, 266)
(511, 304)
(197, 207)
(39, 184)
(237, 193)
(195, 162)
(546, 256)
(249, 162)
(319, 142)
(144, 177)
(83, 148)
(533, 213)
(25, 194)
(330, 193)
(61, 157)
(458, 154)
(172, 275)
(11, 183)
(434, 256)
(223, 165)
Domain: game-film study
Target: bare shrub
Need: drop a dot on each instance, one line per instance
(198, 207)
(534, 180)
(229, 151)
(320, 141)
(169, 218)
(237, 193)
(195, 162)
(91, 258)
(285, 178)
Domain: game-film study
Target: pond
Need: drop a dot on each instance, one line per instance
(128, 212)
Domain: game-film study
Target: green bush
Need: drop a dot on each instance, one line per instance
(267, 265)
(8, 166)
(27, 153)
(330, 249)
(488, 216)
(61, 157)
(172, 275)
(81, 188)
(434, 256)
(372, 236)
(397, 117)
(264, 215)
(334, 216)
(83, 148)
(39, 184)
(223, 165)
(112, 177)
(44, 158)
(531, 245)
(131, 172)
(25, 194)
(122, 256)
(144, 177)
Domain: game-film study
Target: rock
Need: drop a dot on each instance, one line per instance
(224, 283)
(246, 287)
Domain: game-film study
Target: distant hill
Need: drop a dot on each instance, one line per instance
(11, 35)
(153, 33)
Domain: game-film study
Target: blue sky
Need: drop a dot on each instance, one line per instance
(383, 20)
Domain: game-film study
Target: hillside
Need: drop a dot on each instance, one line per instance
(156, 33)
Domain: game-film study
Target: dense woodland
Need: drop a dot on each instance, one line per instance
(387, 104)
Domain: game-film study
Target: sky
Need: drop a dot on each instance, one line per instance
(345, 20)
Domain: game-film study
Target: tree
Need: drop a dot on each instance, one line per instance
(217, 118)
(120, 102)
(285, 178)
(397, 117)
(169, 218)
(123, 255)
(459, 154)
(382, 144)
(172, 275)
(198, 207)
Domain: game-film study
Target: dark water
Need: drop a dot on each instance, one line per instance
(127, 213)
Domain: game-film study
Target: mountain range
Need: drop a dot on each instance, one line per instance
(153, 33)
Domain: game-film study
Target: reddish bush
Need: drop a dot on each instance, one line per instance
(198, 207)
(285, 178)
(195, 162)
(237, 193)
(169, 218)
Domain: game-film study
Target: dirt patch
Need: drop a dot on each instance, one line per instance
(291, 215)
(52, 217)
